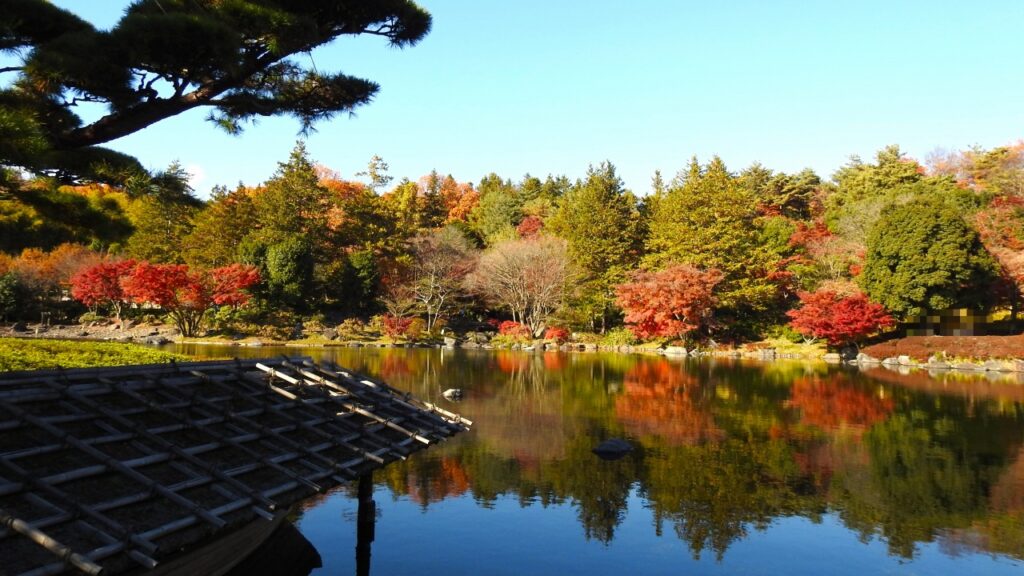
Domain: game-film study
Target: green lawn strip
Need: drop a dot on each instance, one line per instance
(39, 354)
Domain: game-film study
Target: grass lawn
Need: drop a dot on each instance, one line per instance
(37, 354)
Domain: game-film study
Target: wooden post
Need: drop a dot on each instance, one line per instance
(366, 517)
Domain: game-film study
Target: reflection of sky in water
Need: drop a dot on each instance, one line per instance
(457, 536)
(904, 474)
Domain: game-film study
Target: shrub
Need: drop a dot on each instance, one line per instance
(514, 329)
(621, 336)
(416, 328)
(90, 317)
(352, 329)
(395, 327)
(556, 333)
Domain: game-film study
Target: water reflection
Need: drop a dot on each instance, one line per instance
(723, 450)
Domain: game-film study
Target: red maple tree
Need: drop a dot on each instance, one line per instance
(230, 284)
(186, 294)
(669, 303)
(395, 326)
(100, 285)
(838, 319)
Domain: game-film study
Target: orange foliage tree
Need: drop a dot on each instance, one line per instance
(1001, 228)
(669, 303)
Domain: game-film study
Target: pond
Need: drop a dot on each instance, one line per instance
(738, 468)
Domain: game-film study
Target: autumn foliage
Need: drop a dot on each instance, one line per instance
(556, 333)
(662, 399)
(181, 292)
(669, 303)
(835, 402)
(230, 284)
(100, 286)
(838, 319)
(514, 329)
(395, 326)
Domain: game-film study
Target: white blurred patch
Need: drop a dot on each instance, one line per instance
(196, 175)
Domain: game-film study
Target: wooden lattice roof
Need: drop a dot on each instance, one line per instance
(117, 469)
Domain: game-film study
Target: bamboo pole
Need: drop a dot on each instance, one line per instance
(54, 547)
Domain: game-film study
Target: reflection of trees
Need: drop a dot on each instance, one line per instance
(598, 489)
(662, 399)
(834, 401)
(713, 492)
(722, 448)
(924, 476)
(431, 480)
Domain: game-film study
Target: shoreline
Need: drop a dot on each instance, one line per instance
(162, 335)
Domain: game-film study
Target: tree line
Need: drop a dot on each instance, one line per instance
(711, 253)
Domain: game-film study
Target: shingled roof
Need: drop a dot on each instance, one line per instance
(115, 469)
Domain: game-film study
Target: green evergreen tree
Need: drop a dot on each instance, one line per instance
(600, 221)
(708, 219)
(220, 228)
(922, 256)
(293, 203)
(162, 215)
(432, 208)
(499, 211)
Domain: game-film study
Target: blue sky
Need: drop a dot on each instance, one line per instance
(552, 86)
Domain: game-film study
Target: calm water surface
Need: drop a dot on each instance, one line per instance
(738, 469)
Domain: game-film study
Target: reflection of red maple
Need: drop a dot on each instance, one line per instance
(392, 366)
(512, 362)
(451, 480)
(555, 361)
(660, 400)
(834, 401)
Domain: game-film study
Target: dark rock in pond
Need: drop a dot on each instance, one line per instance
(452, 394)
(19, 327)
(613, 449)
(848, 353)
